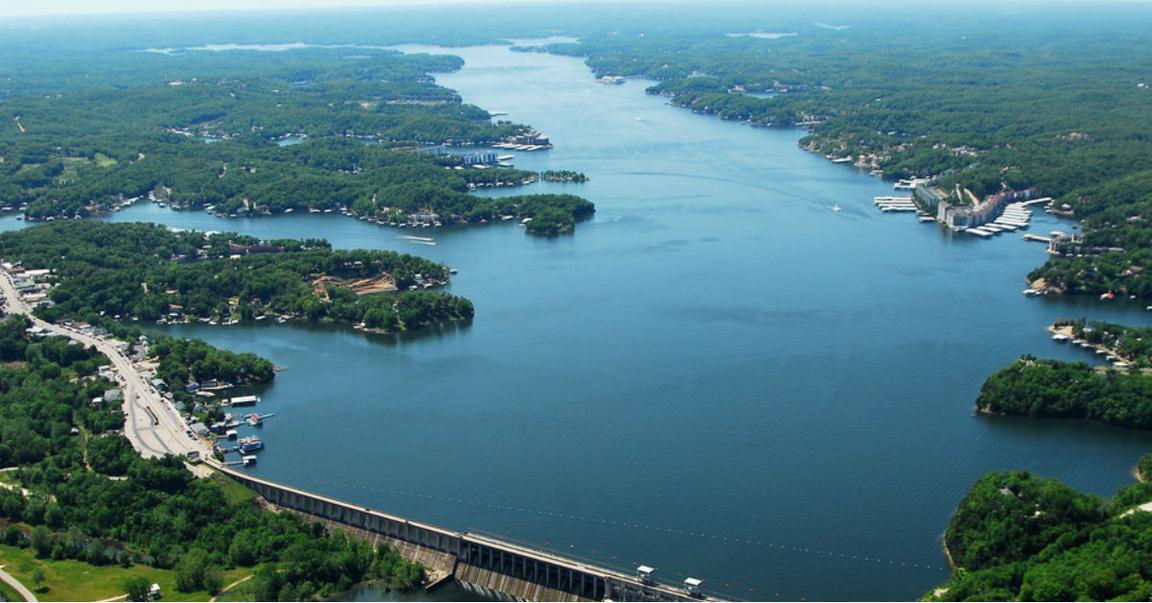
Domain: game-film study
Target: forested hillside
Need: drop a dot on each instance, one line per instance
(147, 272)
(89, 497)
(1017, 537)
(202, 129)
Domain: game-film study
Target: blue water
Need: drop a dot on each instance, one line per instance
(718, 375)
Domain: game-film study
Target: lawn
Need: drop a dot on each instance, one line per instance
(9, 593)
(234, 491)
(70, 580)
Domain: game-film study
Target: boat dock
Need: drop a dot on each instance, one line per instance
(891, 203)
(1015, 216)
(1064, 333)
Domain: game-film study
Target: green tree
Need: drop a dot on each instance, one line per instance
(41, 541)
(137, 587)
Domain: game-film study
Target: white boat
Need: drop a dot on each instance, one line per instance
(836, 208)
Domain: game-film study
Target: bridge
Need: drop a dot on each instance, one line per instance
(489, 565)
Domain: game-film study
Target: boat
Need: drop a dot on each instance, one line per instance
(1031, 292)
(1107, 296)
(250, 444)
(254, 419)
(836, 208)
(1061, 337)
(248, 459)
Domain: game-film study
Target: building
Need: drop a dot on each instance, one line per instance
(962, 217)
(244, 400)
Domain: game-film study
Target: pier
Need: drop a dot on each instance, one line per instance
(482, 563)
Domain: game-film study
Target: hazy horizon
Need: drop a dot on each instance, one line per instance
(48, 8)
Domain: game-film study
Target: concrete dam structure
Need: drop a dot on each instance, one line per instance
(483, 563)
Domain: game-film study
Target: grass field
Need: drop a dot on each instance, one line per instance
(9, 593)
(70, 580)
(233, 490)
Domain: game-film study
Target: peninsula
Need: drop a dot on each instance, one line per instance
(96, 271)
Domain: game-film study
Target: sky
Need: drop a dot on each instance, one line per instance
(14, 8)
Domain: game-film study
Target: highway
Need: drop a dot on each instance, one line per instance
(152, 424)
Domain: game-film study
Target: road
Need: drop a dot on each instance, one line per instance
(17, 586)
(151, 437)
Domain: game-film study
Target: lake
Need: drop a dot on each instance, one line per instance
(718, 375)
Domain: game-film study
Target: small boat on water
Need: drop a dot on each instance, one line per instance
(836, 208)
(1061, 338)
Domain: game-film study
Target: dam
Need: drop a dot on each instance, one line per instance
(484, 563)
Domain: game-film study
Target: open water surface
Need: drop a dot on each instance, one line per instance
(718, 375)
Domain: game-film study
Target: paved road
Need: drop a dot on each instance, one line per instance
(15, 584)
(153, 425)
